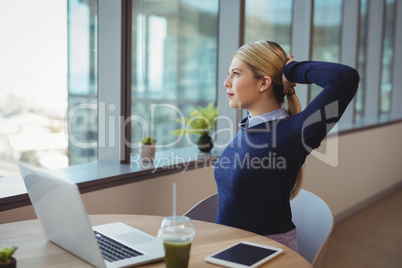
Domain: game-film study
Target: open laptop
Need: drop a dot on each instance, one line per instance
(59, 208)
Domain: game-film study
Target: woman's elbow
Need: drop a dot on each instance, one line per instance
(353, 78)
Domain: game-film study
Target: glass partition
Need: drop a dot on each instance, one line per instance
(387, 59)
(268, 20)
(359, 99)
(174, 65)
(47, 67)
(327, 21)
(82, 116)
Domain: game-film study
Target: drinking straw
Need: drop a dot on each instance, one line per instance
(174, 199)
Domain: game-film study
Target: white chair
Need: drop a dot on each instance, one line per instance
(314, 223)
(312, 217)
(205, 210)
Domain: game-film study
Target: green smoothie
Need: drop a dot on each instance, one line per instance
(177, 233)
(177, 255)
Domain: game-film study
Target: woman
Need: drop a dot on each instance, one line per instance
(259, 172)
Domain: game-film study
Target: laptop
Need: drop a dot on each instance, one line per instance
(59, 208)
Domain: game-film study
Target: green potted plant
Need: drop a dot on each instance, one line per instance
(147, 149)
(201, 121)
(6, 257)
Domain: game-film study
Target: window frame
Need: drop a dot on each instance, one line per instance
(396, 109)
(230, 36)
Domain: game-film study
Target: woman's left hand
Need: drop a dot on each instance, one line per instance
(287, 85)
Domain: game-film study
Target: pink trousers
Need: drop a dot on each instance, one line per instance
(288, 239)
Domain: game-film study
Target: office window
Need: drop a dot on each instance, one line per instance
(82, 116)
(327, 21)
(174, 65)
(268, 20)
(387, 59)
(39, 73)
(358, 105)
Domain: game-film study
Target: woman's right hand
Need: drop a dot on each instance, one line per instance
(287, 85)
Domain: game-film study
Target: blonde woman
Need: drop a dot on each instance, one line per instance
(260, 171)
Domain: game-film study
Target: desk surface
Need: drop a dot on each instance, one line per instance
(34, 250)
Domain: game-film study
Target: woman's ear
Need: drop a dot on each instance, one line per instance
(265, 83)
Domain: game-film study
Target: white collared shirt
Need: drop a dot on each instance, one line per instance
(271, 116)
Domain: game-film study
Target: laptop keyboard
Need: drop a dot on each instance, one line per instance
(113, 250)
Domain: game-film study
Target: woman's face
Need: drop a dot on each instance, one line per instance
(242, 87)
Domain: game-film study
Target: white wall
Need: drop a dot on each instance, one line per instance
(369, 165)
(154, 196)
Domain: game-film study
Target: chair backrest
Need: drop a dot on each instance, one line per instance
(312, 217)
(314, 223)
(205, 210)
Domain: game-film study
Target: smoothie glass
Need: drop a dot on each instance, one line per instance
(177, 233)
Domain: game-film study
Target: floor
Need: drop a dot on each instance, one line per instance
(370, 238)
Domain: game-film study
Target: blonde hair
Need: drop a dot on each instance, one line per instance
(268, 58)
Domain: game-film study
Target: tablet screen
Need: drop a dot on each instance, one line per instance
(245, 254)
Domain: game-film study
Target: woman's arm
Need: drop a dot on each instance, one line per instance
(339, 83)
(340, 80)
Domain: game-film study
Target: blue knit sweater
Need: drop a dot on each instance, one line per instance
(257, 170)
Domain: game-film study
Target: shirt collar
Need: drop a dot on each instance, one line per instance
(271, 116)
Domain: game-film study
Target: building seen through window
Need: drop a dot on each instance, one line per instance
(268, 20)
(387, 59)
(82, 116)
(49, 82)
(174, 65)
(327, 21)
(361, 61)
(48, 67)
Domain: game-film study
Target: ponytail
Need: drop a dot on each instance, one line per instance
(294, 107)
(293, 103)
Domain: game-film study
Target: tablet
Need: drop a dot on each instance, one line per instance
(244, 255)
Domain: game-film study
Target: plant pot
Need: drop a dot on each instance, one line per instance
(11, 264)
(147, 152)
(205, 143)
